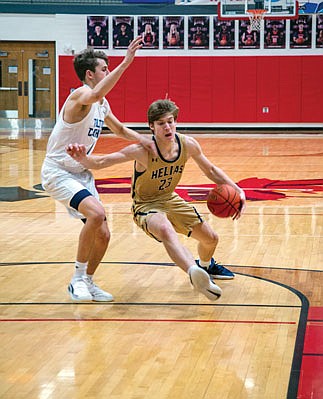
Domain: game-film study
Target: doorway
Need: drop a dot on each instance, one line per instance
(27, 84)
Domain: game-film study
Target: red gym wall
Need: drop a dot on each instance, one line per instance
(215, 89)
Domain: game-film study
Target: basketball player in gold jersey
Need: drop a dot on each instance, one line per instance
(156, 208)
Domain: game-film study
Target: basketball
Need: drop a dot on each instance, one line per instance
(223, 42)
(223, 201)
(300, 40)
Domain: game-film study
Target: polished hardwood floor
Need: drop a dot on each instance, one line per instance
(263, 339)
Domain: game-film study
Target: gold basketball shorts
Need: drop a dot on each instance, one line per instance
(182, 215)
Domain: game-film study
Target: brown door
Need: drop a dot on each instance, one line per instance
(27, 82)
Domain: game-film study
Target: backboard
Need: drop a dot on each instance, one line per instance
(236, 9)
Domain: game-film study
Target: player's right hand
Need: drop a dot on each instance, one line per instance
(133, 47)
(242, 206)
(76, 151)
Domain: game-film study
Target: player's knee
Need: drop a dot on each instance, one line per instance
(215, 237)
(212, 238)
(97, 217)
(165, 231)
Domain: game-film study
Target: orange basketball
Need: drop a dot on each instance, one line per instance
(223, 201)
(300, 40)
(223, 42)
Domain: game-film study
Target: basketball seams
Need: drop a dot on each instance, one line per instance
(232, 202)
(224, 210)
(223, 201)
(229, 204)
(225, 198)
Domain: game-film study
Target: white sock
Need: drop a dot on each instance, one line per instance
(205, 264)
(80, 269)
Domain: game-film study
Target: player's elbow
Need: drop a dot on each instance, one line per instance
(96, 96)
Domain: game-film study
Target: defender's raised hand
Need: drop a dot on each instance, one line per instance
(133, 47)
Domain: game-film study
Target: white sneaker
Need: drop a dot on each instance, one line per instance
(98, 295)
(78, 290)
(202, 283)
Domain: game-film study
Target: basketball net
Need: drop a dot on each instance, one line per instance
(255, 18)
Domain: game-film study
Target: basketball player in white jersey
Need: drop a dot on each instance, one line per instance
(81, 119)
(156, 208)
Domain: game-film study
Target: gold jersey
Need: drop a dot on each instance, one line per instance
(158, 182)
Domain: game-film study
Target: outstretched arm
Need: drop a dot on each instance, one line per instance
(81, 100)
(213, 172)
(122, 131)
(130, 153)
(89, 96)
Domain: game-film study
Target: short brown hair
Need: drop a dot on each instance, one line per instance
(161, 107)
(88, 60)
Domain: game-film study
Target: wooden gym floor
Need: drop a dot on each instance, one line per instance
(263, 339)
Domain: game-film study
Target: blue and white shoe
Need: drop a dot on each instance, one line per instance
(215, 270)
(84, 289)
(98, 295)
(78, 290)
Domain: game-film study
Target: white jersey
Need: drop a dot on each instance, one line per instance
(86, 131)
(62, 176)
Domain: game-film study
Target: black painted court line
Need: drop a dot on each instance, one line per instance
(93, 303)
(114, 319)
(313, 354)
(300, 338)
(166, 264)
(300, 335)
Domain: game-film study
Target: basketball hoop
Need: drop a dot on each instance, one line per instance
(255, 18)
